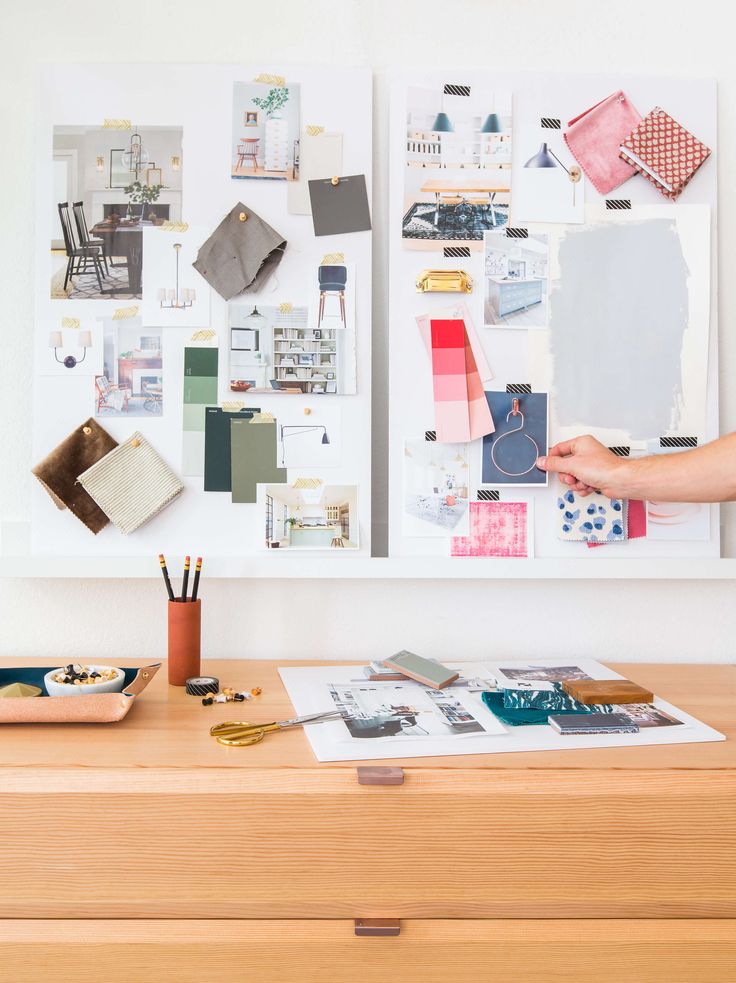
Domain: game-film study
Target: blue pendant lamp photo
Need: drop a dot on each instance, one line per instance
(442, 124)
(545, 157)
(492, 124)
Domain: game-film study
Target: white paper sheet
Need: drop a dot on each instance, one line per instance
(311, 690)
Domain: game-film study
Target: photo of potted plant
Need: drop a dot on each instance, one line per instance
(273, 102)
(142, 194)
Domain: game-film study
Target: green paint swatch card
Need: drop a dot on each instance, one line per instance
(217, 445)
(200, 362)
(253, 458)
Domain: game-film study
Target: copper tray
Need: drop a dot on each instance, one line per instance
(100, 708)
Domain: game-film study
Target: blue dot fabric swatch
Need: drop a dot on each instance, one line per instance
(591, 518)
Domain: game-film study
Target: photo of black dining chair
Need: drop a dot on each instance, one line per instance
(332, 280)
(84, 238)
(81, 260)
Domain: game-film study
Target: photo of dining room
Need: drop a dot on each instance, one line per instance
(132, 382)
(516, 280)
(457, 179)
(437, 484)
(107, 186)
(309, 515)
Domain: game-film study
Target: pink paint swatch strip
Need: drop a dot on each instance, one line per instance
(496, 529)
(461, 409)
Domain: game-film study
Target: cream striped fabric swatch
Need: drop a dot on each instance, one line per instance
(131, 484)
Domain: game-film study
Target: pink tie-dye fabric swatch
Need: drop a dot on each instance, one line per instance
(496, 529)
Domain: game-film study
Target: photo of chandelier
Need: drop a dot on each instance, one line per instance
(136, 156)
(176, 299)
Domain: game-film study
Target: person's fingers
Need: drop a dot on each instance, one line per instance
(551, 462)
(563, 449)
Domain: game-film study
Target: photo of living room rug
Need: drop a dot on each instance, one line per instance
(462, 221)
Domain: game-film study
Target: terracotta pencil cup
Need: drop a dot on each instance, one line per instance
(185, 633)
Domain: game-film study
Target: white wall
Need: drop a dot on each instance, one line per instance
(637, 621)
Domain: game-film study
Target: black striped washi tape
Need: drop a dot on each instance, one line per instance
(430, 435)
(550, 123)
(519, 388)
(678, 441)
(512, 233)
(457, 252)
(620, 450)
(456, 90)
(488, 495)
(618, 204)
(202, 685)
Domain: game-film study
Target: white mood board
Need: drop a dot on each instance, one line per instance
(200, 191)
(420, 136)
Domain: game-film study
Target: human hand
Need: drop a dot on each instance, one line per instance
(586, 465)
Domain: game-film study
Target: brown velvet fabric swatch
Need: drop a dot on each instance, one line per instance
(59, 471)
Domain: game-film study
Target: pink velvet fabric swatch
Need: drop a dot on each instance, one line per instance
(496, 529)
(595, 137)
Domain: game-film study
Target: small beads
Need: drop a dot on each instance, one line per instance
(230, 695)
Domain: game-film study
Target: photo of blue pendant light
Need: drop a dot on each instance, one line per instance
(545, 157)
(492, 124)
(442, 124)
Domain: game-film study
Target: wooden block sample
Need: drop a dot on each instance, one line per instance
(607, 691)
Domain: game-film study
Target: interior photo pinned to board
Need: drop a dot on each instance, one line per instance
(457, 175)
(107, 187)
(308, 514)
(265, 130)
(280, 347)
(132, 379)
(226, 304)
(596, 288)
(437, 488)
(174, 294)
(516, 280)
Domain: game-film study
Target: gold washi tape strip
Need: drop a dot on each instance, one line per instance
(263, 418)
(307, 483)
(204, 335)
(122, 312)
(232, 406)
(174, 226)
(70, 322)
(314, 131)
(267, 79)
(330, 259)
(286, 308)
(117, 124)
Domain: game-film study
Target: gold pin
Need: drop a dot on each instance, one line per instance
(335, 181)
(87, 430)
(135, 442)
(243, 217)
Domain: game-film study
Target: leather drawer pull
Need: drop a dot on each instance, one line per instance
(365, 927)
(374, 775)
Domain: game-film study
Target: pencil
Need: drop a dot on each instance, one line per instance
(185, 581)
(197, 570)
(165, 572)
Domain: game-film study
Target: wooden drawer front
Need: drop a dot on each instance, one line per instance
(316, 844)
(328, 952)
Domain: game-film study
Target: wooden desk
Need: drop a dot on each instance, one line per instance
(476, 186)
(214, 862)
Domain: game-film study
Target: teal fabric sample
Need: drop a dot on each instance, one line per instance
(542, 699)
(520, 718)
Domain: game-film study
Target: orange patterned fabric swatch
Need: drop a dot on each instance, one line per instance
(664, 152)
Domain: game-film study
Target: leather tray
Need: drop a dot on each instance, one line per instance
(100, 708)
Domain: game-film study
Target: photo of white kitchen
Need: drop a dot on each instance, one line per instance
(516, 280)
(308, 515)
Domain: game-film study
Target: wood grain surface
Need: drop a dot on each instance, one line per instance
(430, 951)
(195, 830)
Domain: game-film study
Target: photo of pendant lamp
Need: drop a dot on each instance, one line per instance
(545, 157)
(492, 124)
(172, 299)
(295, 431)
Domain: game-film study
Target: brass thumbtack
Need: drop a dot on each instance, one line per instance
(242, 217)
(87, 430)
(135, 442)
(307, 411)
(335, 181)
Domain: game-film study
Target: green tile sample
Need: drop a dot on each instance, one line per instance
(253, 458)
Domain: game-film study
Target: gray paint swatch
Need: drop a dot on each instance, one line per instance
(618, 314)
(340, 208)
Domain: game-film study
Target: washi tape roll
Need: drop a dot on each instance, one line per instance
(202, 685)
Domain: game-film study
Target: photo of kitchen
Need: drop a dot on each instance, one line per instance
(308, 515)
(517, 281)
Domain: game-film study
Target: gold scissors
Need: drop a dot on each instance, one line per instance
(241, 734)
